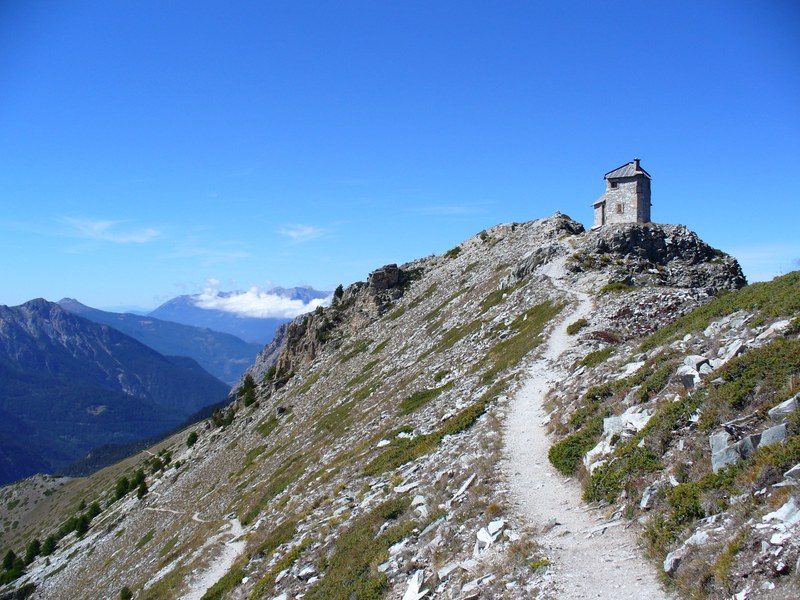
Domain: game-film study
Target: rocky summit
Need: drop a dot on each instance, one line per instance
(541, 411)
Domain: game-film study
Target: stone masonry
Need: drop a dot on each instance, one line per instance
(627, 196)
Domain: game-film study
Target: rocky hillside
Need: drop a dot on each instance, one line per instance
(70, 385)
(368, 459)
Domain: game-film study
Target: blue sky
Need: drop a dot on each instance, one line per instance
(149, 147)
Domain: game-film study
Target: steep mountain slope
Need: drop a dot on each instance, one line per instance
(189, 310)
(70, 385)
(368, 460)
(223, 355)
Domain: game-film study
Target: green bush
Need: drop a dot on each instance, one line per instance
(453, 252)
(575, 327)
(615, 288)
(191, 439)
(122, 488)
(34, 549)
(125, 593)
(597, 357)
(420, 398)
(567, 455)
(49, 545)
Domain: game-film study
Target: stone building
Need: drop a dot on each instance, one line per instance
(627, 197)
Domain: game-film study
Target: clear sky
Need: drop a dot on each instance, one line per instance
(148, 147)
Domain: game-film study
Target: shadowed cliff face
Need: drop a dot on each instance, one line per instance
(374, 434)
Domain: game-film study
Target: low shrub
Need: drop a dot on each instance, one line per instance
(575, 327)
(567, 455)
(615, 288)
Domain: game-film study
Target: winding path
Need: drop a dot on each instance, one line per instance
(593, 557)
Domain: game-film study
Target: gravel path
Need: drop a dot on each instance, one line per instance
(593, 556)
(232, 548)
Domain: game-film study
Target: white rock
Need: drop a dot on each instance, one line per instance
(307, 572)
(418, 500)
(698, 538)
(383, 443)
(689, 377)
(648, 496)
(695, 361)
(402, 489)
(673, 560)
(793, 473)
(414, 584)
(446, 570)
(496, 527)
(464, 486)
(779, 539)
(773, 435)
(784, 409)
(776, 328)
(397, 548)
(788, 514)
(733, 350)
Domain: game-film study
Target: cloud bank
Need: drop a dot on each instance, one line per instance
(256, 303)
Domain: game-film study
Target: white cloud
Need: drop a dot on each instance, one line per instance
(301, 233)
(766, 261)
(255, 303)
(110, 231)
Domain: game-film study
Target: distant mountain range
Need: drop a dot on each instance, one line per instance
(187, 310)
(68, 385)
(223, 355)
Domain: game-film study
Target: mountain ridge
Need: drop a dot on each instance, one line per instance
(368, 458)
(76, 384)
(223, 355)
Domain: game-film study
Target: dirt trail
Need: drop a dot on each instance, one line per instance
(232, 548)
(590, 560)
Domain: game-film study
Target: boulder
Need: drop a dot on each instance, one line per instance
(784, 409)
(689, 377)
(648, 497)
(793, 473)
(414, 584)
(725, 457)
(673, 560)
(731, 351)
(719, 441)
(695, 361)
(747, 445)
(788, 514)
(384, 278)
(773, 435)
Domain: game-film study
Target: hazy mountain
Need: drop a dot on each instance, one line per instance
(223, 355)
(68, 385)
(400, 442)
(186, 309)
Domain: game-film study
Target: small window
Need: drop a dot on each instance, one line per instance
(620, 208)
(613, 184)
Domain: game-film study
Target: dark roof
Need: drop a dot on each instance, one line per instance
(627, 170)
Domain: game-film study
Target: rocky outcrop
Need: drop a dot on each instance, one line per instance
(654, 254)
